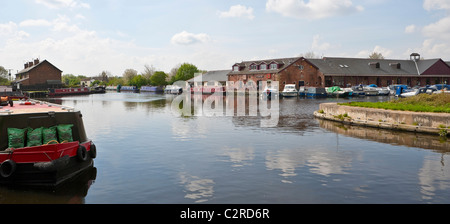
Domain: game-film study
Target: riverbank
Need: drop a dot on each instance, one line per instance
(436, 103)
(422, 122)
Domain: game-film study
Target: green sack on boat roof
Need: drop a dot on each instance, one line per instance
(65, 133)
(34, 137)
(49, 136)
(16, 138)
(334, 89)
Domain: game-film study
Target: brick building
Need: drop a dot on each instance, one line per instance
(38, 75)
(285, 70)
(343, 72)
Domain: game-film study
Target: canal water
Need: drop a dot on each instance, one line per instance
(149, 155)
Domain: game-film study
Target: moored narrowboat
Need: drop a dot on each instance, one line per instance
(154, 89)
(42, 145)
(316, 92)
(69, 91)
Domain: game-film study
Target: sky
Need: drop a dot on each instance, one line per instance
(84, 37)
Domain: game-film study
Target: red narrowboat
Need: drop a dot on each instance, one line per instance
(42, 144)
(69, 91)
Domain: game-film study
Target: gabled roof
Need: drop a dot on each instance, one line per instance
(362, 66)
(20, 80)
(35, 66)
(282, 62)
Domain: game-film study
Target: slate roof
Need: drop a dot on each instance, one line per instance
(245, 66)
(364, 66)
(34, 66)
(219, 76)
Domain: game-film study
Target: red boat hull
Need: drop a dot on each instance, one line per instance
(69, 91)
(48, 165)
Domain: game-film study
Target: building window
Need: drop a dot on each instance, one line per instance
(236, 68)
(253, 67)
(263, 67)
(273, 66)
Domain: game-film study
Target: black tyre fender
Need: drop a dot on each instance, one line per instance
(93, 151)
(82, 153)
(7, 168)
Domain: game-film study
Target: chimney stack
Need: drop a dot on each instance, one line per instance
(25, 65)
(415, 57)
(30, 64)
(36, 61)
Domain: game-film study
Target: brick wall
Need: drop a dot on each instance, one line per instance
(45, 71)
(299, 72)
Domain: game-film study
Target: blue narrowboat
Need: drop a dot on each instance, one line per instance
(316, 92)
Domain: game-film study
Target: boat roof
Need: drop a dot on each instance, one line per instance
(21, 107)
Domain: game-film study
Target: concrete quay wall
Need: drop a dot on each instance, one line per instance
(431, 123)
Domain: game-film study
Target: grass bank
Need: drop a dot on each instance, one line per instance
(437, 103)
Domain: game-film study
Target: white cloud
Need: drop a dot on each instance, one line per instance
(186, 38)
(238, 11)
(35, 22)
(10, 30)
(438, 30)
(80, 51)
(7, 28)
(437, 34)
(312, 9)
(436, 4)
(387, 53)
(318, 46)
(62, 23)
(432, 49)
(57, 4)
(410, 29)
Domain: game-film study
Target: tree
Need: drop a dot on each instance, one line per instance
(310, 55)
(138, 81)
(186, 72)
(159, 79)
(72, 80)
(149, 70)
(129, 74)
(376, 55)
(172, 74)
(4, 76)
(115, 81)
(104, 76)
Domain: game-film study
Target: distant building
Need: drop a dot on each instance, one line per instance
(38, 75)
(382, 72)
(334, 71)
(211, 78)
(284, 70)
(87, 82)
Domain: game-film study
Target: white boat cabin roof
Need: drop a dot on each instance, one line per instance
(29, 107)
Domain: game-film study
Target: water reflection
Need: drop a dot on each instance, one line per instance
(72, 192)
(239, 157)
(391, 137)
(433, 177)
(196, 188)
(150, 155)
(316, 161)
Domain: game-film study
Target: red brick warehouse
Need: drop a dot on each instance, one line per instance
(343, 72)
(38, 75)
